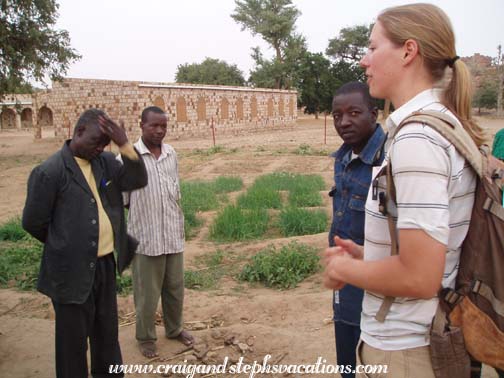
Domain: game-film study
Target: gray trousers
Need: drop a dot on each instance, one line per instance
(154, 277)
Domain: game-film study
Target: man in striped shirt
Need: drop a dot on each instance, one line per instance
(156, 220)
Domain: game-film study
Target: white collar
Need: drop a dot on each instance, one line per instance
(143, 150)
(420, 101)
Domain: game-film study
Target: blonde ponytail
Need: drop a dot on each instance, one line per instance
(458, 98)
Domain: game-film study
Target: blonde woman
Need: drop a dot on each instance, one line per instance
(411, 61)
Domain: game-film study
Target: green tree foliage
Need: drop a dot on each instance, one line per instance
(347, 49)
(274, 21)
(318, 80)
(210, 71)
(30, 47)
(316, 84)
(486, 96)
(350, 44)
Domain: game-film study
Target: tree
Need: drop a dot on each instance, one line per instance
(500, 79)
(30, 47)
(486, 96)
(210, 71)
(274, 21)
(272, 73)
(350, 45)
(316, 84)
(347, 50)
(318, 80)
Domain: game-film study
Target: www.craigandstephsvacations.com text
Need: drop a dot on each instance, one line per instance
(250, 369)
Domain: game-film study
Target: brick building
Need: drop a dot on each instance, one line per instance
(192, 109)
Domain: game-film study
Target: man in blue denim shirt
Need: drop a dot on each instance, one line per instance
(354, 114)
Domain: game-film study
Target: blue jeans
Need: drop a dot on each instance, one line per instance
(347, 338)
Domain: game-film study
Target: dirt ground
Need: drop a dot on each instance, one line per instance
(292, 326)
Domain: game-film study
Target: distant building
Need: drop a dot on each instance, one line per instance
(192, 109)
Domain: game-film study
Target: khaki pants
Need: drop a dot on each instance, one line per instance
(154, 277)
(408, 363)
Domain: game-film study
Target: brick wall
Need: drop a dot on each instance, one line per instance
(191, 109)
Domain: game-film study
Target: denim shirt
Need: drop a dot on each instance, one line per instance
(352, 179)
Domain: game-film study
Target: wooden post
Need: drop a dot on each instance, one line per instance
(213, 132)
(325, 128)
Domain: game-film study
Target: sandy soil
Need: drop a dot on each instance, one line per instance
(293, 326)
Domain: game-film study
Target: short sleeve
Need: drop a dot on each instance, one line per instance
(421, 170)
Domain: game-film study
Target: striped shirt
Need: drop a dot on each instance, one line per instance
(435, 193)
(155, 218)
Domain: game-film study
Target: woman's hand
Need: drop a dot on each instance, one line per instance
(334, 260)
(350, 247)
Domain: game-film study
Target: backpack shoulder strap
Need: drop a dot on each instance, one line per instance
(454, 133)
(463, 143)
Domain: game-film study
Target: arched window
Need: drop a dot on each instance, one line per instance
(181, 110)
(291, 107)
(201, 109)
(224, 109)
(281, 107)
(159, 102)
(270, 107)
(253, 107)
(239, 108)
(8, 119)
(27, 118)
(45, 116)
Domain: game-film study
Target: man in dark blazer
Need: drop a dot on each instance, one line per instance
(74, 206)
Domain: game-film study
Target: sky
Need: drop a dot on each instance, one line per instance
(146, 40)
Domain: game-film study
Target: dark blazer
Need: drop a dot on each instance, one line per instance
(61, 212)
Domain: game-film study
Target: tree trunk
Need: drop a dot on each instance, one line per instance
(278, 80)
(499, 93)
(500, 77)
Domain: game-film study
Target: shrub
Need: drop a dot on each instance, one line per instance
(211, 151)
(295, 221)
(303, 149)
(124, 283)
(216, 149)
(285, 268)
(233, 224)
(306, 149)
(226, 184)
(12, 230)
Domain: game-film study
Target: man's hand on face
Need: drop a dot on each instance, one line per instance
(116, 132)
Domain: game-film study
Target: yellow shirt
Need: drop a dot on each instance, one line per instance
(106, 233)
